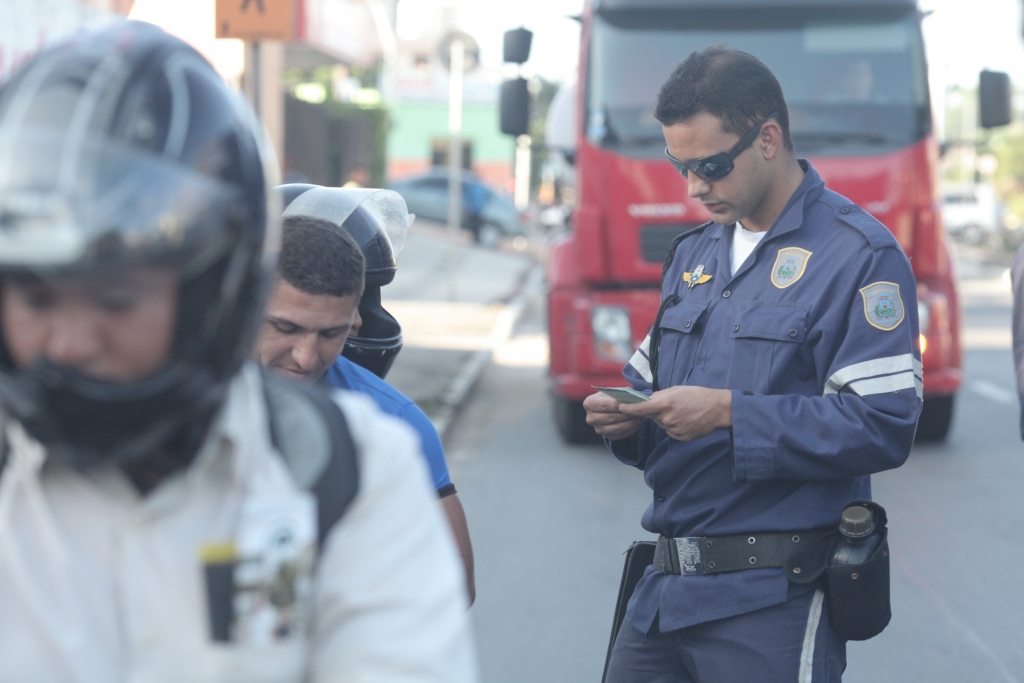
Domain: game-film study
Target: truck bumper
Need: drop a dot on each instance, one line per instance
(942, 382)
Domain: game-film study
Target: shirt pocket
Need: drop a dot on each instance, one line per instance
(765, 337)
(680, 329)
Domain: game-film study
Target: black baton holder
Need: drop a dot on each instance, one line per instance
(638, 558)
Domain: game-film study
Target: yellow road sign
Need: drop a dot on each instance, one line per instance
(255, 19)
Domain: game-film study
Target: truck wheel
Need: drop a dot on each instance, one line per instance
(571, 420)
(936, 417)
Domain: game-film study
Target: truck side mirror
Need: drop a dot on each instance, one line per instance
(517, 45)
(994, 99)
(515, 107)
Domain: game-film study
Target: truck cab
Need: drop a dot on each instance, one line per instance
(855, 80)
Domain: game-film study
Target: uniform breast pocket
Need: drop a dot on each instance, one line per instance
(765, 339)
(680, 329)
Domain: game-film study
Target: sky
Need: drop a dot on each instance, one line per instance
(556, 38)
(194, 21)
(962, 36)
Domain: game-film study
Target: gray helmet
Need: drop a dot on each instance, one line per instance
(123, 148)
(378, 221)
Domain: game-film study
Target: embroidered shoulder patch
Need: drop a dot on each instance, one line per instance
(789, 266)
(883, 306)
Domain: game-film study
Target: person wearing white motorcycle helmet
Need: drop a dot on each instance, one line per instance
(167, 512)
(325, 323)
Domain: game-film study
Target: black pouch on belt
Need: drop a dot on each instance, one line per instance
(855, 562)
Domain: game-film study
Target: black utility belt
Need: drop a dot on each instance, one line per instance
(699, 555)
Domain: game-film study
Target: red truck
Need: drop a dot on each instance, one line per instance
(855, 79)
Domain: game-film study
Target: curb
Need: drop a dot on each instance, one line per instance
(468, 375)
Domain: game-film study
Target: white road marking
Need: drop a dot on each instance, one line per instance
(994, 392)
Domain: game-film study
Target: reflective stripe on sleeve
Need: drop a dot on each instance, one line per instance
(887, 384)
(872, 368)
(640, 361)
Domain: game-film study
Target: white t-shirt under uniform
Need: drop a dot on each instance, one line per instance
(743, 244)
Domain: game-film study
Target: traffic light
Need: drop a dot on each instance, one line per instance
(515, 107)
(995, 95)
(515, 96)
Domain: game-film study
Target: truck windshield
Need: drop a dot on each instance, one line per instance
(854, 85)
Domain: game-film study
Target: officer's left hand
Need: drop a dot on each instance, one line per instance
(686, 413)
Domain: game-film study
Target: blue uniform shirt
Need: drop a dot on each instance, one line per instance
(816, 336)
(345, 374)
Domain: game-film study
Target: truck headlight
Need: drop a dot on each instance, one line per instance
(612, 332)
(924, 320)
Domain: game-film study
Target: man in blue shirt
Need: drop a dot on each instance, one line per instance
(345, 374)
(313, 308)
(782, 371)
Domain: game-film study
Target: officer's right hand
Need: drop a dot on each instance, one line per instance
(604, 416)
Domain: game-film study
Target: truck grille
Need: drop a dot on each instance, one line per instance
(656, 239)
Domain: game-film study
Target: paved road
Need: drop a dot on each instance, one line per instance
(549, 523)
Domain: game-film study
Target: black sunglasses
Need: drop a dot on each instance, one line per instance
(717, 166)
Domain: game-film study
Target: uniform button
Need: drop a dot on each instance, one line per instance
(845, 209)
(686, 324)
(792, 333)
(727, 293)
(735, 328)
(660, 497)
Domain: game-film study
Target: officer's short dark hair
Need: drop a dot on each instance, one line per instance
(318, 257)
(733, 86)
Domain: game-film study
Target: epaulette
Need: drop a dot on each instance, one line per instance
(675, 245)
(877, 235)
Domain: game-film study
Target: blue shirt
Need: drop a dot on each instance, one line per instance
(345, 374)
(816, 337)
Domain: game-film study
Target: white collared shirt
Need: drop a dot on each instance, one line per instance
(99, 584)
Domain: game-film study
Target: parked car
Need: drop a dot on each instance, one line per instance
(971, 211)
(488, 214)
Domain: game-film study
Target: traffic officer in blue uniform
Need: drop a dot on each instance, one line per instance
(783, 370)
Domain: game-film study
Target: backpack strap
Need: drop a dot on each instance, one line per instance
(311, 433)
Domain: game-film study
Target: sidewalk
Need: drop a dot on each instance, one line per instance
(452, 321)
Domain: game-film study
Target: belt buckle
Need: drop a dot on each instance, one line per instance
(688, 551)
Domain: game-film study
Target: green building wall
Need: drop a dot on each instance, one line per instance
(414, 125)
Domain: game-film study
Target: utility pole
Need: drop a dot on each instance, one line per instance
(456, 72)
(254, 46)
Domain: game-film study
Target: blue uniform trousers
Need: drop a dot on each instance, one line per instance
(787, 643)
